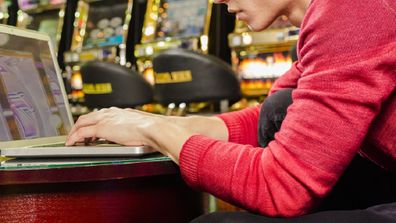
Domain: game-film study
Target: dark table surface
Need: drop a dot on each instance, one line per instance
(147, 189)
(31, 171)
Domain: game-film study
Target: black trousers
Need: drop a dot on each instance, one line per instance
(363, 184)
(385, 213)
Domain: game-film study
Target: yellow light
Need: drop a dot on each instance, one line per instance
(149, 50)
(204, 42)
(149, 31)
(76, 80)
(272, 66)
(246, 39)
(149, 75)
(153, 16)
(161, 44)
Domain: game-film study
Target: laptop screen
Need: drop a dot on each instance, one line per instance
(32, 104)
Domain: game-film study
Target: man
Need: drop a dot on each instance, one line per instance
(344, 81)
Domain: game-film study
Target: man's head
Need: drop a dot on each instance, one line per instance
(259, 14)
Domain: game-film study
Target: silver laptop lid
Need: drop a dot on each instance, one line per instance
(33, 104)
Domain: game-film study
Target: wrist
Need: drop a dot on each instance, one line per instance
(167, 135)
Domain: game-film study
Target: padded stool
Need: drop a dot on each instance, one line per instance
(184, 76)
(108, 84)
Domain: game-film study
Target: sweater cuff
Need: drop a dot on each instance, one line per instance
(233, 126)
(191, 155)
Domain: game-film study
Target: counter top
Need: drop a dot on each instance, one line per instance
(33, 171)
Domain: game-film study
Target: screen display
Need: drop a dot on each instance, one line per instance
(47, 22)
(258, 72)
(4, 11)
(264, 65)
(105, 24)
(28, 4)
(31, 101)
(57, 2)
(181, 18)
(32, 4)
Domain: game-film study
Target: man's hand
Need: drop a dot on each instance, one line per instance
(132, 127)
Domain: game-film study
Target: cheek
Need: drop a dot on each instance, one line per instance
(260, 18)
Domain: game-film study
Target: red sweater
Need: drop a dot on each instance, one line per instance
(344, 82)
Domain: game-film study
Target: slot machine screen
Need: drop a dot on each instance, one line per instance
(57, 2)
(265, 65)
(28, 4)
(105, 23)
(4, 11)
(259, 71)
(181, 18)
(46, 22)
(32, 4)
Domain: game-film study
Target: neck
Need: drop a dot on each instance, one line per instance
(296, 11)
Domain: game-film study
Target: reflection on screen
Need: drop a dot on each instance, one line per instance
(47, 22)
(50, 27)
(31, 100)
(181, 18)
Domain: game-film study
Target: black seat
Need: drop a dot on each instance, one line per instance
(187, 76)
(107, 84)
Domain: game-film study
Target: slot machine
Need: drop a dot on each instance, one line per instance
(44, 16)
(172, 24)
(100, 34)
(4, 15)
(259, 58)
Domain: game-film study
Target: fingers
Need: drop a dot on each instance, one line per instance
(83, 133)
(89, 119)
(89, 125)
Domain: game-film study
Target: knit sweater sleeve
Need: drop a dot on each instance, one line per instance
(288, 80)
(348, 70)
(242, 125)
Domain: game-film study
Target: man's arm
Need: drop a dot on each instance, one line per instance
(320, 135)
(238, 127)
(199, 125)
(348, 74)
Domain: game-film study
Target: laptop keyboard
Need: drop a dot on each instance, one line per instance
(95, 143)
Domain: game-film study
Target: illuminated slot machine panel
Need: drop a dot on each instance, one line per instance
(172, 24)
(100, 31)
(260, 58)
(100, 34)
(44, 16)
(4, 15)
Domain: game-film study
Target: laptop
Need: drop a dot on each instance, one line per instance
(35, 116)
